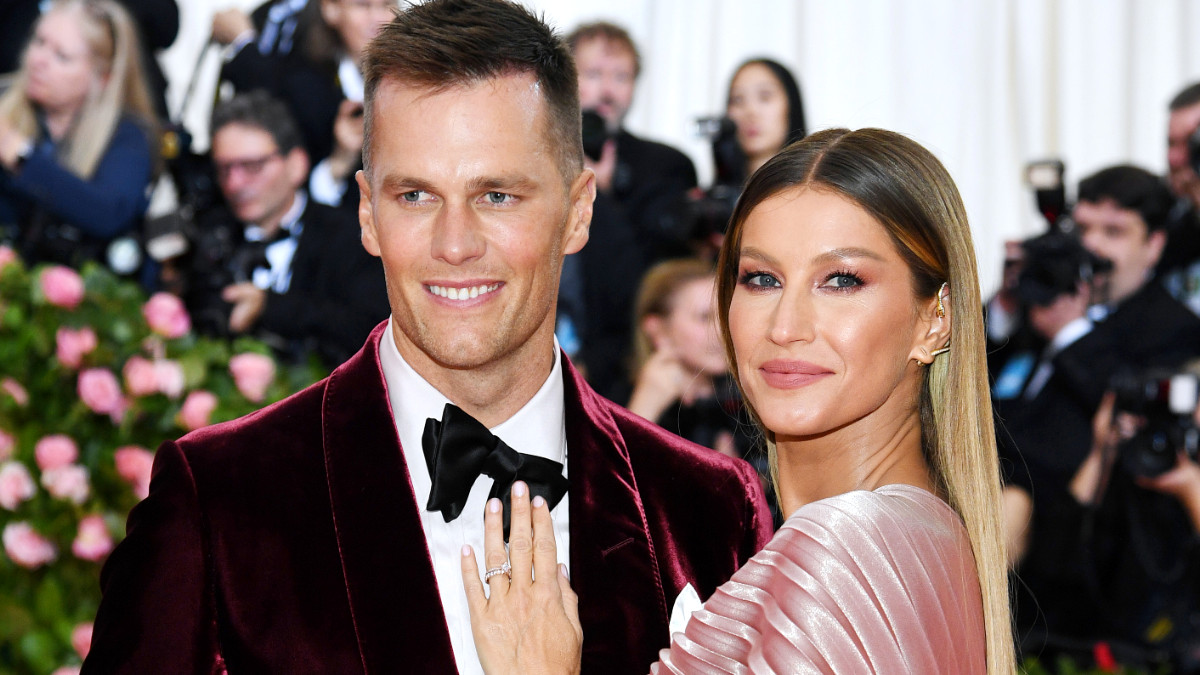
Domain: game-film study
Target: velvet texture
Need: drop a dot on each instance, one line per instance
(290, 540)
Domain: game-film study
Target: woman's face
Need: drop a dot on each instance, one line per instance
(823, 319)
(759, 107)
(357, 21)
(690, 329)
(59, 63)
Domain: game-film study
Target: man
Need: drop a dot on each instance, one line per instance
(303, 539)
(640, 214)
(646, 180)
(1179, 268)
(268, 261)
(1121, 213)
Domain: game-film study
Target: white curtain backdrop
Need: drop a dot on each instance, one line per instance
(988, 85)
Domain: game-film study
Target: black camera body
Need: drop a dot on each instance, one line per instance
(709, 210)
(1166, 401)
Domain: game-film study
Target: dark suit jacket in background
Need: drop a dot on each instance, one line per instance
(290, 541)
(650, 184)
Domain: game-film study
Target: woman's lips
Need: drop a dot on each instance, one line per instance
(782, 374)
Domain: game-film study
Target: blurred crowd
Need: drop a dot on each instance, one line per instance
(1094, 333)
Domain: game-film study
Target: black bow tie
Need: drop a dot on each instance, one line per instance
(459, 448)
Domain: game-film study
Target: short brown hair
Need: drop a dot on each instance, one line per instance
(442, 44)
(609, 32)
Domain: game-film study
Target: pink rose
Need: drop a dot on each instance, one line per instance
(26, 547)
(92, 543)
(101, 392)
(7, 255)
(68, 670)
(16, 485)
(140, 378)
(73, 345)
(81, 639)
(168, 376)
(15, 390)
(166, 315)
(134, 465)
(7, 445)
(197, 409)
(54, 451)
(252, 373)
(62, 287)
(69, 483)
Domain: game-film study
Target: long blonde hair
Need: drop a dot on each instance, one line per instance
(113, 48)
(906, 189)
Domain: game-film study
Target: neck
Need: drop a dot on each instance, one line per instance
(863, 455)
(490, 392)
(59, 122)
(753, 163)
(271, 225)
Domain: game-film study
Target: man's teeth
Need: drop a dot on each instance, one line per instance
(470, 292)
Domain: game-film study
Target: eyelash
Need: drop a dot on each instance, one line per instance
(844, 273)
(748, 277)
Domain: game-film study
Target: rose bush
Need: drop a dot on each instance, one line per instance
(93, 376)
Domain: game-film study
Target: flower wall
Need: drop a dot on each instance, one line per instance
(93, 376)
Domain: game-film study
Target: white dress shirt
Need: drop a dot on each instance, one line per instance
(277, 276)
(538, 428)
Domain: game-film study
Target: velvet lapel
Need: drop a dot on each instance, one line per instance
(613, 565)
(389, 576)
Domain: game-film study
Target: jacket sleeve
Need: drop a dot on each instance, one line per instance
(104, 206)
(157, 613)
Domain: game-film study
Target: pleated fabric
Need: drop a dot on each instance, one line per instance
(864, 582)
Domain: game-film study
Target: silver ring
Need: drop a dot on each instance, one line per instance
(506, 568)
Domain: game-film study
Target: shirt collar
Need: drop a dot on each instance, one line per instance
(538, 428)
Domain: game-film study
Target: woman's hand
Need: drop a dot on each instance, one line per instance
(11, 145)
(530, 622)
(662, 381)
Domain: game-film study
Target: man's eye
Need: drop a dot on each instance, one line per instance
(498, 198)
(413, 197)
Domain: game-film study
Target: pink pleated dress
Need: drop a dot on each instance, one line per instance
(864, 582)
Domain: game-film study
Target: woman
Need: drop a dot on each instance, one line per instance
(680, 383)
(76, 154)
(847, 272)
(764, 103)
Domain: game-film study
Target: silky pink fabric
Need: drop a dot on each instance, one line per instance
(864, 582)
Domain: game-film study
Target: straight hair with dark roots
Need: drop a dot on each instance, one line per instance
(908, 191)
(443, 44)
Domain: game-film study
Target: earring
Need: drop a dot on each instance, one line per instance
(938, 352)
(941, 309)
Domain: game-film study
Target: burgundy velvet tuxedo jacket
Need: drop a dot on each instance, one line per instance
(290, 541)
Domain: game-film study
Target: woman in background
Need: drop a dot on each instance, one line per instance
(847, 273)
(76, 130)
(764, 102)
(679, 360)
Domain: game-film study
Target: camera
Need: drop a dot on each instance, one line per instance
(1045, 176)
(1166, 401)
(709, 210)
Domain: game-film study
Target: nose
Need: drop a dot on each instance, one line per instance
(793, 318)
(456, 238)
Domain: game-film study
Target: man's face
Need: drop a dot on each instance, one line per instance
(259, 182)
(1121, 236)
(471, 216)
(606, 79)
(1180, 126)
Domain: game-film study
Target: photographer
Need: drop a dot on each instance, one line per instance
(1128, 560)
(268, 261)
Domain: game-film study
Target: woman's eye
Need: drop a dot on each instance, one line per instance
(759, 280)
(842, 280)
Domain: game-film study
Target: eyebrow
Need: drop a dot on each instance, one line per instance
(834, 255)
(394, 183)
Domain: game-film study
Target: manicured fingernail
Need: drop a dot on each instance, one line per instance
(466, 551)
(519, 489)
(562, 569)
(538, 502)
(493, 505)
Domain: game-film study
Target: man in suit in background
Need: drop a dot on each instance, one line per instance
(267, 260)
(308, 537)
